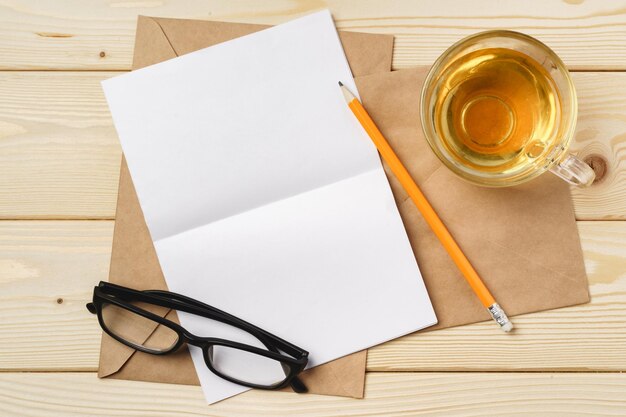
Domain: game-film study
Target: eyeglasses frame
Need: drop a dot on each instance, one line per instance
(293, 361)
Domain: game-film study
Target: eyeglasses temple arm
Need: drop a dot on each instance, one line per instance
(184, 303)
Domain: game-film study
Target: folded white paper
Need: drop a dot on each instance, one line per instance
(265, 198)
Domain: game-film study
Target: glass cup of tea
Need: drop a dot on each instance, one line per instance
(499, 108)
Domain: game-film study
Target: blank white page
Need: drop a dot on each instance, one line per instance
(265, 198)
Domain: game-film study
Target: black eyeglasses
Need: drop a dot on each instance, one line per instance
(121, 317)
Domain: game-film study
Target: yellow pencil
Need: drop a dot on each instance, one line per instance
(427, 211)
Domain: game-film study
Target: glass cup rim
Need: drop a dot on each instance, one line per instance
(488, 179)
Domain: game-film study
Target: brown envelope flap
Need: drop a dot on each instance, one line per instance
(167, 38)
(522, 240)
(176, 368)
(134, 262)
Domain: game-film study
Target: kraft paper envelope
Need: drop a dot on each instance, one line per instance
(134, 262)
(523, 240)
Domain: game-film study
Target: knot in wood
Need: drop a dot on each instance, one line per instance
(599, 165)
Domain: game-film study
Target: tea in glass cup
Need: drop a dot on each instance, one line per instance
(499, 108)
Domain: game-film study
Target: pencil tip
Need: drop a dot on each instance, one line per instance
(340, 84)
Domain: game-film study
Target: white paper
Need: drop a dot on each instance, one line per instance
(265, 198)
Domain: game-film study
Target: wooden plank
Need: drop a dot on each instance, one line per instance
(98, 35)
(43, 261)
(60, 154)
(47, 273)
(386, 394)
(600, 139)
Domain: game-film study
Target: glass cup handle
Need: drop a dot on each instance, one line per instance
(574, 171)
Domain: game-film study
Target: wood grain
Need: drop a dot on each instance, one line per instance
(44, 261)
(386, 394)
(59, 153)
(99, 34)
(601, 137)
(47, 273)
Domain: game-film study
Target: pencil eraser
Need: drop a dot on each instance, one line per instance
(507, 327)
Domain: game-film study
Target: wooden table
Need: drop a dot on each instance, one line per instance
(59, 161)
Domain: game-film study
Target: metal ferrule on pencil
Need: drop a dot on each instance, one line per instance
(498, 314)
